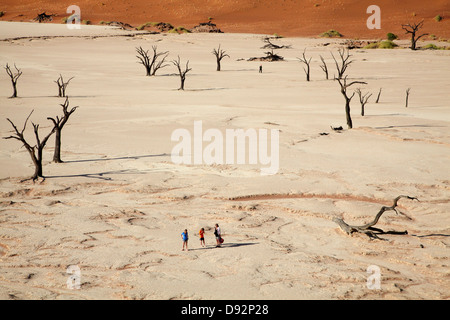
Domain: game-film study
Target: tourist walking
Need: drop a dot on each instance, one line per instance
(185, 238)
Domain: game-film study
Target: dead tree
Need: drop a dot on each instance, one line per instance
(344, 85)
(14, 77)
(307, 63)
(378, 97)
(270, 45)
(369, 228)
(412, 29)
(324, 67)
(343, 63)
(407, 97)
(43, 17)
(220, 54)
(363, 99)
(270, 56)
(182, 73)
(34, 151)
(151, 63)
(58, 125)
(62, 86)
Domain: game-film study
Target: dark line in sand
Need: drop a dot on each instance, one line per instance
(347, 197)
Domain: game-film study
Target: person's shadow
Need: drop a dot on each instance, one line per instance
(226, 245)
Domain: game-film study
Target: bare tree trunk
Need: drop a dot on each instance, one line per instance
(363, 99)
(35, 151)
(324, 67)
(344, 87)
(58, 126)
(378, 97)
(307, 63)
(62, 86)
(14, 77)
(407, 96)
(347, 112)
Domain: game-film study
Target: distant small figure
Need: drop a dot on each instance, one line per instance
(185, 238)
(202, 237)
(218, 235)
(260, 69)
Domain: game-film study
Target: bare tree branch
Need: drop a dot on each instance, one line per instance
(343, 63)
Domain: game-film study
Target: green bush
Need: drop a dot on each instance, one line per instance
(391, 36)
(438, 18)
(331, 34)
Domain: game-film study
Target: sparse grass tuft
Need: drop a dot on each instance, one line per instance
(431, 46)
(331, 34)
(385, 44)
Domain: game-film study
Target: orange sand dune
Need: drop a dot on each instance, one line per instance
(285, 17)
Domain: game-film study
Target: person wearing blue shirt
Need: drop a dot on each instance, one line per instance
(185, 238)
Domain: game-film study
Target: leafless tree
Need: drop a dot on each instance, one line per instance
(59, 124)
(343, 63)
(34, 151)
(182, 73)
(378, 97)
(14, 77)
(324, 67)
(413, 29)
(307, 62)
(62, 86)
(344, 85)
(407, 97)
(220, 54)
(151, 63)
(363, 99)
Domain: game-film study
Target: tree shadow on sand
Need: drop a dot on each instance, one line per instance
(99, 175)
(119, 158)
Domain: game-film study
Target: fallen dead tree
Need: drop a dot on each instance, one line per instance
(369, 228)
(271, 45)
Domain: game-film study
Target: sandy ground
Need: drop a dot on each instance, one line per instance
(117, 206)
